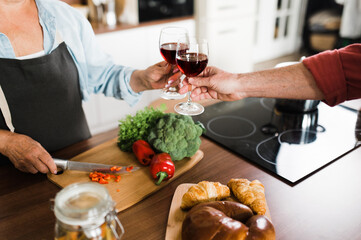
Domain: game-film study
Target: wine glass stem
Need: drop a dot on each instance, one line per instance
(189, 99)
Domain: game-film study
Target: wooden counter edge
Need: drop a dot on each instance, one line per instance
(101, 28)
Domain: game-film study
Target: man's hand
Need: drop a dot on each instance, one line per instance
(26, 154)
(214, 83)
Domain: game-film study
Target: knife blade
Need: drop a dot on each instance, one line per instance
(91, 167)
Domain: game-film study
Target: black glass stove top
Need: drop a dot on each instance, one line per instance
(291, 145)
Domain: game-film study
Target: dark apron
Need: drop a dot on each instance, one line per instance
(44, 99)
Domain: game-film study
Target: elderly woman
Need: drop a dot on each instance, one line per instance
(49, 63)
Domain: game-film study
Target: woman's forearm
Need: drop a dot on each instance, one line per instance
(4, 134)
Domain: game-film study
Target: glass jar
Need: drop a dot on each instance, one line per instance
(86, 211)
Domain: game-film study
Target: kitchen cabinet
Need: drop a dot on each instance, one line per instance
(229, 27)
(279, 26)
(136, 47)
(242, 33)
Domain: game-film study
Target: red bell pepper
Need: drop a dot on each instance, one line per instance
(162, 167)
(143, 151)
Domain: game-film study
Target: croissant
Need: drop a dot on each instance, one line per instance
(204, 192)
(249, 193)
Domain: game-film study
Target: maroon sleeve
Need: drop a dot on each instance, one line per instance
(337, 73)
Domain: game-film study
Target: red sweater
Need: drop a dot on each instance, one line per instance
(337, 73)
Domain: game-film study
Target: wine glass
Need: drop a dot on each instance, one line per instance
(191, 61)
(168, 39)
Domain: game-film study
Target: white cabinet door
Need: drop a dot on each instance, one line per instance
(230, 46)
(279, 28)
(127, 47)
(224, 9)
(229, 27)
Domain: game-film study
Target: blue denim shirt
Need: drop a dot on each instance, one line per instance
(97, 72)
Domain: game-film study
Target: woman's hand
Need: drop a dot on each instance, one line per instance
(154, 77)
(214, 83)
(26, 154)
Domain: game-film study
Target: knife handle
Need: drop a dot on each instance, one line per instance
(60, 163)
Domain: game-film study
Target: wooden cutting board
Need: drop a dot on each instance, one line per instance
(177, 215)
(133, 187)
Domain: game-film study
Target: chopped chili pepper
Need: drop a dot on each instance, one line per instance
(129, 169)
(162, 167)
(143, 151)
(115, 169)
(103, 178)
(103, 181)
(117, 179)
(93, 174)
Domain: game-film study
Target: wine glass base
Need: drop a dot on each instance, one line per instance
(190, 109)
(169, 95)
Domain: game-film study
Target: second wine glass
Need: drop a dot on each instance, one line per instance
(191, 60)
(168, 45)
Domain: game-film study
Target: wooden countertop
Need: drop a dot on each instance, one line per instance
(101, 28)
(324, 206)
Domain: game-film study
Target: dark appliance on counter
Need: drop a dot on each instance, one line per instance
(292, 145)
(150, 10)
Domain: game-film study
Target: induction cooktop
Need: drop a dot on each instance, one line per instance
(290, 145)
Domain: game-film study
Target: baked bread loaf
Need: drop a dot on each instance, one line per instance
(225, 220)
(249, 193)
(204, 192)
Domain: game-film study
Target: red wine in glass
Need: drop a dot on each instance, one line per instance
(169, 50)
(192, 64)
(168, 40)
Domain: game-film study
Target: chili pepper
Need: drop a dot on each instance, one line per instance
(103, 178)
(106, 177)
(129, 169)
(103, 181)
(143, 151)
(117, 179)
(95, 179)
(162, 167)
(115, 169)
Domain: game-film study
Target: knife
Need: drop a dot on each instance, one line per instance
(91, 167)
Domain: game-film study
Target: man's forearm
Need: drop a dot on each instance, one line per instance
(293, 82)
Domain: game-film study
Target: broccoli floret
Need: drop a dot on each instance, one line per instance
(177, 135)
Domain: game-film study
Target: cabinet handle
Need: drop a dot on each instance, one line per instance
(227, 31)
(222, 8)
